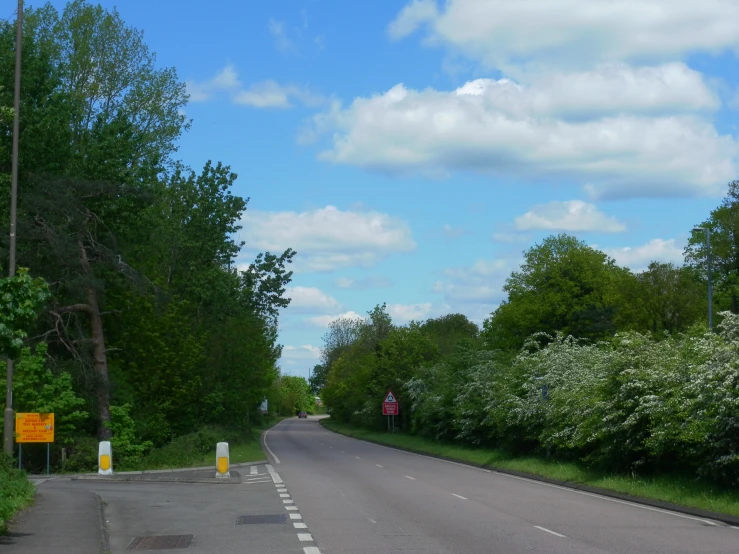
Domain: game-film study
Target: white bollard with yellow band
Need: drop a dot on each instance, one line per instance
(222, 460)
(105, 459)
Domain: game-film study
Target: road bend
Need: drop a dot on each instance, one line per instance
(358, 497)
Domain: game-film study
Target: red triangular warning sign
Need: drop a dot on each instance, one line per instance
(390, 397)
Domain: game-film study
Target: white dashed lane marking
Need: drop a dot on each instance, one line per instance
(550, 531)
(305, 537)
(378, 465)
(294, 517)
(462, 497)
(409, 477)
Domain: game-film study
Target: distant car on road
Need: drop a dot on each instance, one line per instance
(303, 414)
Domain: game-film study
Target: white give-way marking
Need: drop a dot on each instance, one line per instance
(272, 473)
(550, 531)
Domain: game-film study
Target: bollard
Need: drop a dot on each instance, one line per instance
(105, 458)
(222, 460)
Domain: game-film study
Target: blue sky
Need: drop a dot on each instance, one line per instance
(411, 151)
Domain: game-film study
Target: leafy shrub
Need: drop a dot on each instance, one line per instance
(15, 491)
(82, 455)
(622, 404)
(126, 449)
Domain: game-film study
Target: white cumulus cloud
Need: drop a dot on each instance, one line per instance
(326, 320)
(279, 35)
(264, 94)
(502, 33)
(481, 283)
(505, 129)
(328, 238)
(310, 299)
(403, 313)
(639, 257)
(364, 283)
(570, 215)
(295, 355)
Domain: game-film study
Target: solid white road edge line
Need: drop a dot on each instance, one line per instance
(550, 531)
(535, 481)
(269, 451)
(462, 497)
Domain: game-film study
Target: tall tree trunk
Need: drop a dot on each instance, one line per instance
(100, 359)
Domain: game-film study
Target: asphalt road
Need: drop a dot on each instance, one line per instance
(252, 512)
(357, 497)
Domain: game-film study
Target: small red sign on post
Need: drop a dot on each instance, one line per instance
(390, 404)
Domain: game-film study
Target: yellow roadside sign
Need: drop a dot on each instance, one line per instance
(34, 427)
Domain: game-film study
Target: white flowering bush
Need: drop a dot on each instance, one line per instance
(625, 403)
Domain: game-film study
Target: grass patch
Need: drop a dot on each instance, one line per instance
(16, 491)
(677, 489)
(198, 449)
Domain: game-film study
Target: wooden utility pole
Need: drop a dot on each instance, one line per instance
(9, 424)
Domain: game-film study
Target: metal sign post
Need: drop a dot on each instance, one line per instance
(390, 409)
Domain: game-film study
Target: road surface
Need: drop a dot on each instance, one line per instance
(357, 497)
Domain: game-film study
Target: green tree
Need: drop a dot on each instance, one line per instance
(21, 298)
(295, 395)
(723, 223)
(449, 331)
(108, 76)
(563, 285)
(672, 298)
(318, 378)
(36, 388)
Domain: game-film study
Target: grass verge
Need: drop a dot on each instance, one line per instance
(198, 449)
(676, 489)
(16, 491)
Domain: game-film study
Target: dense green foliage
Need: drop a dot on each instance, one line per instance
(147, 330)
(291, 394)
(15, 491)
(21, 297)
(584, 361)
